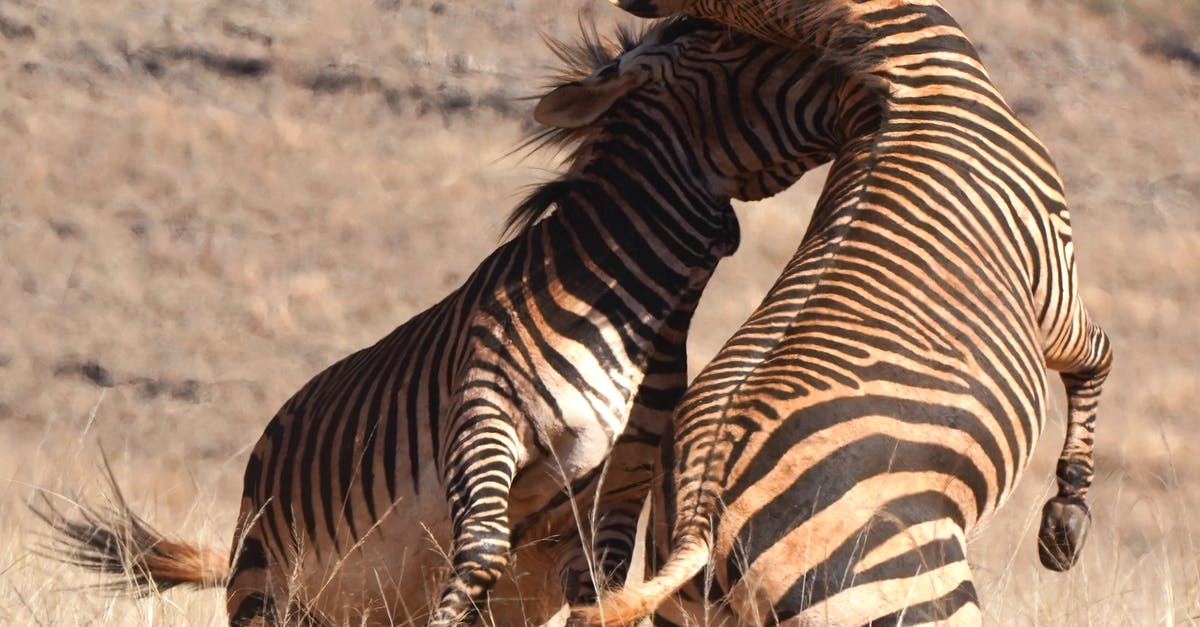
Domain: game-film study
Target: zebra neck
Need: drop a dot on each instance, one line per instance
(884, 39)
(933, 86)
(648, 198)
(838, 205)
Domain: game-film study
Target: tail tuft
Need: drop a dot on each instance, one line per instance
(114, 541)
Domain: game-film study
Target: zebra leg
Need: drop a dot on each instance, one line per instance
(600, 555)
(1066, 518)
(478, 475)
(249, 600)
(250, 596)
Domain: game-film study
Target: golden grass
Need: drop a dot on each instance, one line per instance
(202, 243)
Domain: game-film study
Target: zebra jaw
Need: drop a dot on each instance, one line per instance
(1065, 524)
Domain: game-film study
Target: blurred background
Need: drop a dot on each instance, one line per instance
(204, 202)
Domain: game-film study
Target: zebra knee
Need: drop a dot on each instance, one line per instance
(481, 567)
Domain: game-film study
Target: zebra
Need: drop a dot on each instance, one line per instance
(880, 404)
(478, 420)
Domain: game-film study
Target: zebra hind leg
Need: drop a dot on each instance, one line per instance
(598, 555)
(480, 475)
(1066, 518)
(610, 530)
(604, 562)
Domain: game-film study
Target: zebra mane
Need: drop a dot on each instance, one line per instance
(578, 59)
(826, 25)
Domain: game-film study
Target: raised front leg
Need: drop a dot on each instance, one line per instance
(1066, 518)
(599, 556)
(478, 473)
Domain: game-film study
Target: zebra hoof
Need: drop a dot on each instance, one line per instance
(1065, 524)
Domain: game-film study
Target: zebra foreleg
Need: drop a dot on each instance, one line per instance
(480, 473)
(1066, 518)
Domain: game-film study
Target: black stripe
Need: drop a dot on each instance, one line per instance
(252, 555)
(835, 573)
(831, 478)
(932, 611)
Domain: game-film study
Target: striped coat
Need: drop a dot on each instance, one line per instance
(829, 464)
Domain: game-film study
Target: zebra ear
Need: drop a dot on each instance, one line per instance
(581, 103)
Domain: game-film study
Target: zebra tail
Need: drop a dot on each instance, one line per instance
(114, 541)
(626, 606)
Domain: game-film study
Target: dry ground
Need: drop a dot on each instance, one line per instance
(203, 202)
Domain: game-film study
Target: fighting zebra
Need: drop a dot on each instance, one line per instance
(829, 464)
(465, 423)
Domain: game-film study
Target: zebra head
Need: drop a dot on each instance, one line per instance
(785, 22)
(746, 15)
(753, 116)
(654, 8)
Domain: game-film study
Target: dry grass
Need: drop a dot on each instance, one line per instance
(202, 203)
